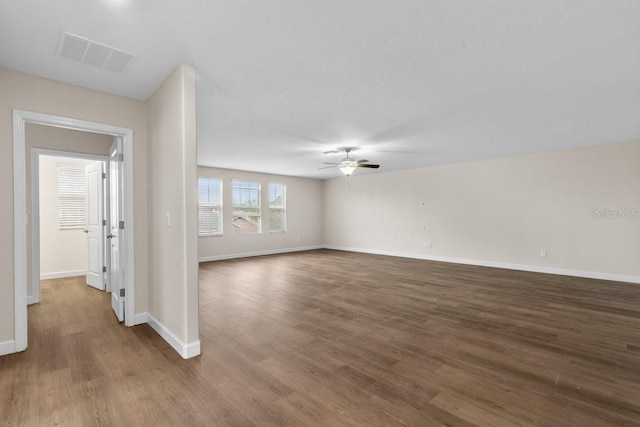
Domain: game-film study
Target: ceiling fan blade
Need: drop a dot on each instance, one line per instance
(328, 167)
(367, 165)
(363, 161)
(330, 163)
(341, 150)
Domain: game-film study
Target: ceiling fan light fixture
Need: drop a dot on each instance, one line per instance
(347, 167)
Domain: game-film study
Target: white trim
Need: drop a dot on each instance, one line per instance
(20, 219)
(186, 350)
(192, 349)
(141, 318)
(495, 264)
(7, 347)
(62, 274)
(34, 297)
(258, 253)
(20, 222)
(129, 219)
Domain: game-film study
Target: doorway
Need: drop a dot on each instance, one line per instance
(68, 218)
(22, 214)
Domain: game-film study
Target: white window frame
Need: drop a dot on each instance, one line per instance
(241, 188)
(282, 209)
(212, 205)
(72, 197)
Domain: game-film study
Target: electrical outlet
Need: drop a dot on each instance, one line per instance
(427, 244)
(543, 252)
(423, 203)
(423, 227)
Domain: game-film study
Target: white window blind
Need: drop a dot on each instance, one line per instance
(210, 206)
(277, 208)
(72, 197)
(246, 208)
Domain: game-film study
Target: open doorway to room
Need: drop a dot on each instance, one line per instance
(118, 154)
(72, 218)
(61, 163)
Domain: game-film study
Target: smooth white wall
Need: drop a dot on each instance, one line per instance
(304, 217)
(173, 292)
(499, 211)
(63, 253)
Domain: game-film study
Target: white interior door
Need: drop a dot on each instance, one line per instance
(95, 228)
(116, 230)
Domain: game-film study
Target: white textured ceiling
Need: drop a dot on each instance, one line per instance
(411, 83)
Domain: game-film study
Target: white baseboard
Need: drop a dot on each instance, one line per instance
(191, 350)
(187, 350)
(31, 299)
(7, 347)
(62, 274)
(258, 253)
(505, 265)
(141, 318)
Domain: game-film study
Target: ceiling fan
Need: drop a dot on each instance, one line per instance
(348, 164)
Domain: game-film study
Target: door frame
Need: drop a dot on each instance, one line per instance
(35, 210)
(21, 218)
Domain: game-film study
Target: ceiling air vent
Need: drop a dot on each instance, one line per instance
(90, 52)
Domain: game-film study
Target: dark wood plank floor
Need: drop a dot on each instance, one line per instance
(340, 339)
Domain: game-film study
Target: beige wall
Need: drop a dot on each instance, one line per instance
(53, 138)
(173, 296)
(60, 139)
(62, 252)
(498, 211)
(304, 217)
(501, 210)
(21, 91)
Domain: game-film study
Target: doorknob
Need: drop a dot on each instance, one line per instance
(109, 236)
(86, 231)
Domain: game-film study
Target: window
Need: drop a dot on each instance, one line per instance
(210, 206)
(246, 208)
(72, 197)
(277, 208)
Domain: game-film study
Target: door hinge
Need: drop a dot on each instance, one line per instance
(121, 225)
(122, 292)
(104, 175)
(121, 157)
(104, 222)
(104, 269)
